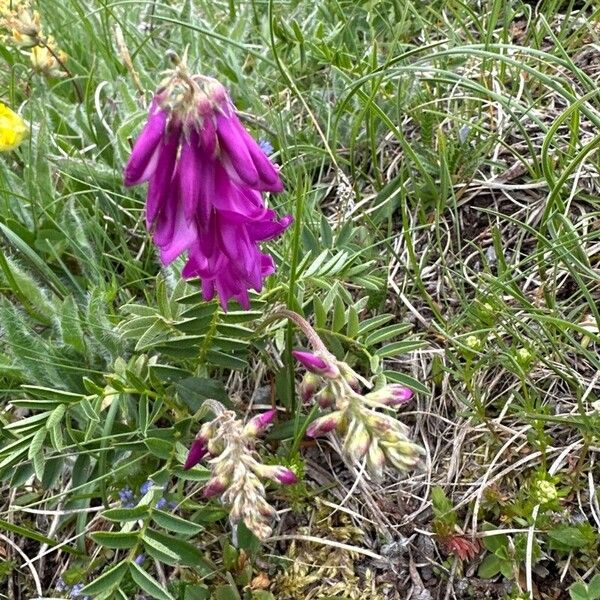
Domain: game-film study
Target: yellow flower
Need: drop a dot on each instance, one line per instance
(24, 26)
(473, 342)
(12, 129)
(43, 61)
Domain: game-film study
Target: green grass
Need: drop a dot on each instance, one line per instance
(440, 161)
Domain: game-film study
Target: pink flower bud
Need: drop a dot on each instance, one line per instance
(277, 473)
(402, 395)
(197, 452)
(382, 422)
(326, 398)
(324, 425)
(393, 395)
(350, 377)
(286, 476)
(308, 386)
(259, 423)
(215, 487)
(316, 364)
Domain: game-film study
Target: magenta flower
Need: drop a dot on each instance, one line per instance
(324, 425)
(197, 452)
(215, 486)
(277, 473)
(259, 423)
(316, 364)
(206, 176)
(236, 467)
(394, 395)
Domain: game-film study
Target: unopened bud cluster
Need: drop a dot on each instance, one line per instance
(366, 432)
(236, 469)
(545, 491)
(24, 28)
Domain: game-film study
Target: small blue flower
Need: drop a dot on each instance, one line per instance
(126, 494)
(161, 503)
(61, 586)
(129, 504)
(145, 487)
(265, 146)
(139, 559)
(76, 590)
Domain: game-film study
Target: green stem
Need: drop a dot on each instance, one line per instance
(291, 294)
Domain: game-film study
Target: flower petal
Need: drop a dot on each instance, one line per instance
(234, 145)
(160, 187)
(267, 172)
(144, 156)
(184, 235)
(190, 172)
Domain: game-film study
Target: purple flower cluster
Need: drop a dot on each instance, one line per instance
(367, 432)
(237, 473)
(206, 176)
(73, 591)
(128, 497)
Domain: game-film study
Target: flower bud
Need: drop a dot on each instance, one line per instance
(523, 356)
(259, 423)
(215, 486)
(545, 491)
(308, 386)
(473, 342)
(324, 425)
(258, 527)
(286, 476)
(357, 441)
(399, 460)
(393, 395)
(326, 398)
(383, 423)
(277, 473)
(215, 447)
(375, 460)
(316, 364)
(404, 455)
(349, 377)
(207, 430)
(197, 452)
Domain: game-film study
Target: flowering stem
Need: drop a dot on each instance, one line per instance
(295, 251)
(315, 342)
(302, 324)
